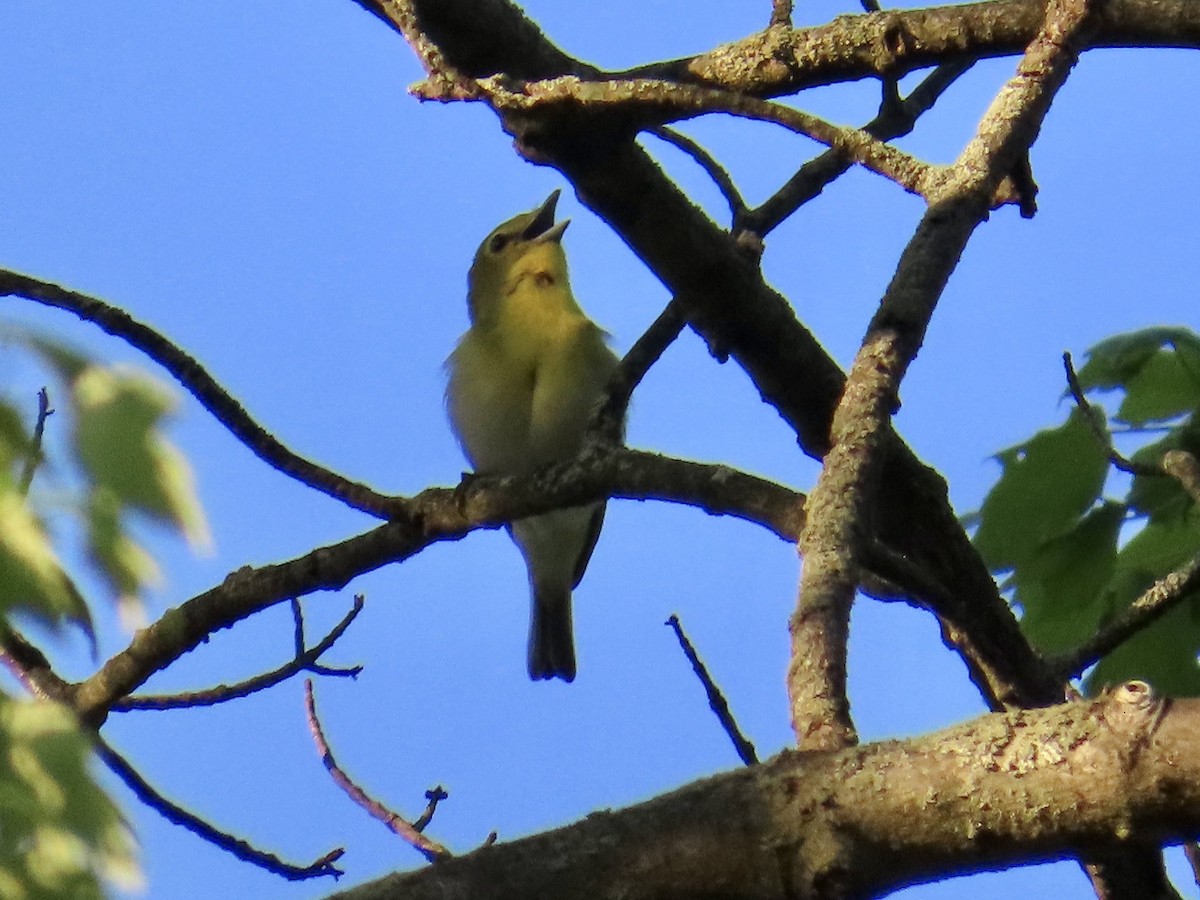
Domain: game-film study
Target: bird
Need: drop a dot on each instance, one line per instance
(523, 382)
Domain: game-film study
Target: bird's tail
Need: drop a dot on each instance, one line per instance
(551, 642)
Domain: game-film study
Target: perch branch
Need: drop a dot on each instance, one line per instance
(436, 514)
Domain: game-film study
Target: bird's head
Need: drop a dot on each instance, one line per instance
(528, 246)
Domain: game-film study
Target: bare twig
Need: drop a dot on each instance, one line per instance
(195, 379)
(1161, 597)
(716, 700)
(434, 796)
(400, 826)
(34, 456)
(706, 161)
(236, 846)
(1095, 423)
(304, 660)
(608, 420)
(891, 122)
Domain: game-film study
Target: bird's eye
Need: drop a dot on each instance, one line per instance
(498, 243)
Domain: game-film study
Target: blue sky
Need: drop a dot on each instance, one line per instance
(258, 186)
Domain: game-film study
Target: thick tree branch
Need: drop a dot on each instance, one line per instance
(895, 42)
(841, 508)
(822, 825)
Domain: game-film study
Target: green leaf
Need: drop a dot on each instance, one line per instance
(1113, 362)
(1059, 586)
(1163, 654)
(119, 444)
(1160, 496)
(1047, 484)
(61, 834)
(123, 563)
(31, 578)
(1161, 546)
(1164, 388)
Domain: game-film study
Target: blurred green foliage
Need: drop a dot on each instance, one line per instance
(60, 835)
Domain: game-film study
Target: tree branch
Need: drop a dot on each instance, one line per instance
(826, 825)
(397, 824)
(196, 380)
(1159, 599)
(436, 514)
(893, 43)
(716, 700)
(34, 453)
(237, 847)
(650, 103)
(893, 121)
(304, 660)
(841, 507)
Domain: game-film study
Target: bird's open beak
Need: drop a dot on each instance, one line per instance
(543, 227)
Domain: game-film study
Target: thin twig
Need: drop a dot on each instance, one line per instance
(706, 161)
(196, 380)
(814, 176)
(34, 456)
(304, 660)
(236, 846)
(400, 826)
(1096, 424)
(434, 796)
(1157, 600)
(716, 700)
(608, 421)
